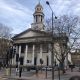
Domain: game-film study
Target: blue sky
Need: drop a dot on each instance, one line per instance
(18, 14)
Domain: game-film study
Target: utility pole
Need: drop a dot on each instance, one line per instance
(52, 51)
(52, 42)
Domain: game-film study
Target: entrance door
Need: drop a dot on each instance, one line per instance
(21, 60)
(35, 61)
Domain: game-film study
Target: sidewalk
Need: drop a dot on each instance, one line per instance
(42, 76)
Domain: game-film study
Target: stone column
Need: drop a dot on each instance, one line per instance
(14, 59)
(25, 56)
(19, 50)
(33, 52)
(49, 53)
(66, 62)
(40, 50)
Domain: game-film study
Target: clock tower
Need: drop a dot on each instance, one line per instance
(38, 18)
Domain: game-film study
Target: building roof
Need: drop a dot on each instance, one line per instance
(38, 31)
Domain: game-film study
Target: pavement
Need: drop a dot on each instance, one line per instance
(26, 75)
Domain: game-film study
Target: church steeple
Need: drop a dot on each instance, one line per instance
(38, 18)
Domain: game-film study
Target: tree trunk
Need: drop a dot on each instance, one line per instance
(62, 67)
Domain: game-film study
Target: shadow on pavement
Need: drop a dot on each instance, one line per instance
(75, 78)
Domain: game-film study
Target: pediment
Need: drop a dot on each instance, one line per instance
(30, 33)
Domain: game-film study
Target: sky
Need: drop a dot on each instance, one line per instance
(18, 14)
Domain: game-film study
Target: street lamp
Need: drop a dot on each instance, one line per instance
(52, 55)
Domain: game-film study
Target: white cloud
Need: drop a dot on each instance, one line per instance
(14, 8)
(14, 14)
(18, 16)
(71, 7)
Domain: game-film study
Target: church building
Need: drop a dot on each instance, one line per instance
(34, 43)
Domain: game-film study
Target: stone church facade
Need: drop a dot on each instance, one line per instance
(35, 43)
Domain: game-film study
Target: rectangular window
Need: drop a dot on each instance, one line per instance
(23, 46)
(44, 48)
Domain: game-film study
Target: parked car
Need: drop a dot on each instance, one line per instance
(50, 68)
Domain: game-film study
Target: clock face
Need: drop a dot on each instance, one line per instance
(38, 8)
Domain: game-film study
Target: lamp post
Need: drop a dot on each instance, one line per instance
(52, 55)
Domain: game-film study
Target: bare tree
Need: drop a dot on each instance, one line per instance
(5, 31)
(5, 40)
(67, 32)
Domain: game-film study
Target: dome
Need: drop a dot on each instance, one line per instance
(38, 8)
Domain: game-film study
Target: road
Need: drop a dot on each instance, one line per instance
(26, 75)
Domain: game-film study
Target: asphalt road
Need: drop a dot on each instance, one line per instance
(26, 75)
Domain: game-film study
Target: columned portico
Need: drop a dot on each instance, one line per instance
(35, 43)
(33, 52)
(25, 56)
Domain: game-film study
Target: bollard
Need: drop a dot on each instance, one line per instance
(8, 71)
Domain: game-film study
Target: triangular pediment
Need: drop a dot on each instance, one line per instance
(30, 33)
